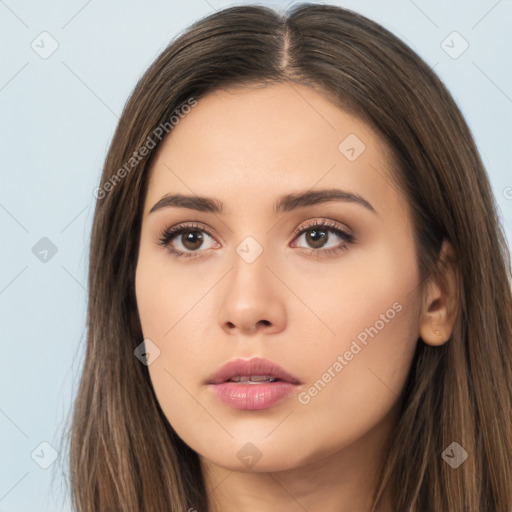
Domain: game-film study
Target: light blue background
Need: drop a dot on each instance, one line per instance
(57, 118)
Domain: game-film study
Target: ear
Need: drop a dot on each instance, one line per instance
(440, 300)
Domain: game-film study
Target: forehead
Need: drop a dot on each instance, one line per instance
(254, 144)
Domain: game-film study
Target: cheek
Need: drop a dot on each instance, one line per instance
(365, 290)
(362, 367)
(364, 393)
(172, 316)
(167, 296)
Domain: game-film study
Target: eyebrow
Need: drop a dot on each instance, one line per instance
(285, 203)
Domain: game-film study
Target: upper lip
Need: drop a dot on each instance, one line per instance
(247, 367)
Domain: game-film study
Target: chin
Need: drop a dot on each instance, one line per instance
(258, 457)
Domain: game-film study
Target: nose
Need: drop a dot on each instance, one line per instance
(253, 299)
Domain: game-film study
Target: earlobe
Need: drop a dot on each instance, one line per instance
(440, 300)
(434, 333)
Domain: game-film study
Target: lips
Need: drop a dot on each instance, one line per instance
(252, 384)
(255, 370)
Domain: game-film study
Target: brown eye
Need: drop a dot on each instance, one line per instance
(317, 236)
(186, 240)
(192, 240)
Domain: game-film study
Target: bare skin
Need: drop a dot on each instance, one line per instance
(296, 303)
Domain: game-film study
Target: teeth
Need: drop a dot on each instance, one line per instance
(253, 378)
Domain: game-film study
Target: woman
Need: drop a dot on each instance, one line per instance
(299, 288)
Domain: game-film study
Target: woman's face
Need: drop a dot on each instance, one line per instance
(270, 265)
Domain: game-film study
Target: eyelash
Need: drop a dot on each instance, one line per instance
(169, 234)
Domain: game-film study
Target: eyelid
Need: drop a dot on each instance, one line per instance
(322, 222)
(167, 231)
(302, 227)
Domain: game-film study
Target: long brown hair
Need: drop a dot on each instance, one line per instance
(124, 454)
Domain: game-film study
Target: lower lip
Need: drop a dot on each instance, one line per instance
(253, 396)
